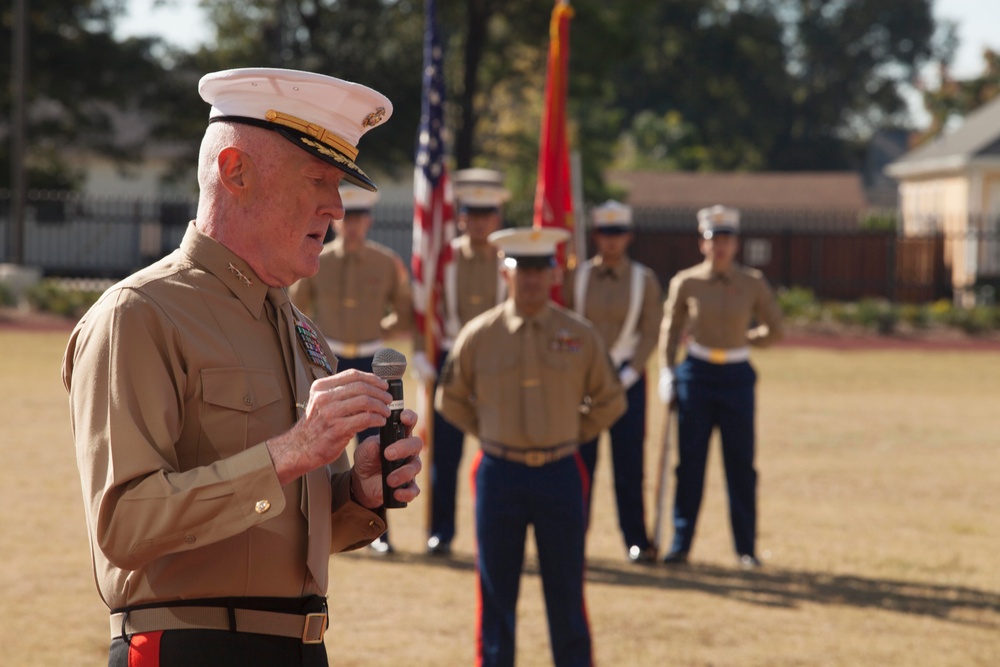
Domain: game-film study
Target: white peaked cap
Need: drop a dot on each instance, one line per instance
(529, 243)
(612, 214)
(480, 188)
(320, 114)
(718, 220)
(357, 199)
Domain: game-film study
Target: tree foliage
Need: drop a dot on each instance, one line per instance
(953, 99)
(78, 91)
(684, 84)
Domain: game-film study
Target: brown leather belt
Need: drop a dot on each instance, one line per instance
(310, 628)
(532, 458)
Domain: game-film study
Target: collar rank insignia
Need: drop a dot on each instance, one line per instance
(239, 274)
(565, 342)
(310, 343)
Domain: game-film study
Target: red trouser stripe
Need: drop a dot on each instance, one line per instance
(474, 468)
(144, 650)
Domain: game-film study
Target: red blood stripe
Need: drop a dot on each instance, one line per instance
(144, 650)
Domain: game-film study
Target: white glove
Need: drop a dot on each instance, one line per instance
(422, 368)
(666, 386)
(628, 376)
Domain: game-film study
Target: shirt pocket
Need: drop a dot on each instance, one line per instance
(239, 407)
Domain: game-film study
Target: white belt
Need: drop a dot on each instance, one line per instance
(354, 350)
(718, 355)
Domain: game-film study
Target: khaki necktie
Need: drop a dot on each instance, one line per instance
(317, 497)
(532, 397)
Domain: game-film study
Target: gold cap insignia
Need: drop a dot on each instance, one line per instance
(374, 118)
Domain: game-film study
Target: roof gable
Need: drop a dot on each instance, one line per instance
(978, 136)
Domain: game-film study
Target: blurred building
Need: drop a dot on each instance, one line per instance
(951, 186)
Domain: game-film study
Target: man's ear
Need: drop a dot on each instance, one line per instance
(234, 167)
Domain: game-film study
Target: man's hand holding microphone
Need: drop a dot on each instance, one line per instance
(342, 405)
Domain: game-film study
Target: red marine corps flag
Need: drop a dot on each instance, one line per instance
(554, 193)
(433, 221)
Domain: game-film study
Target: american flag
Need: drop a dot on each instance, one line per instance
(433, 210)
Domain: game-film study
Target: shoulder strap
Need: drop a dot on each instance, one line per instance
(624, 346)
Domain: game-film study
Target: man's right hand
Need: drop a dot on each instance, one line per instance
(665, 387)
(339, 407)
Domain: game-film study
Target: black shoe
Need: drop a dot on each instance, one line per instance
(749, 562)
(381, 546)
(641, 555)
(438, 547)
(676, 558)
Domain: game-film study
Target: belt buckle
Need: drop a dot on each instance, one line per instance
(350, 350)
(534, 458)
(311, 621)
(717, 355)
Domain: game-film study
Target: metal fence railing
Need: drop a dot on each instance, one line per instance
(829, 252)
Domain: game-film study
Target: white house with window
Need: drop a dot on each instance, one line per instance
(952, 186)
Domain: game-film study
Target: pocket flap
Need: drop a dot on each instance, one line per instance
(243, 389)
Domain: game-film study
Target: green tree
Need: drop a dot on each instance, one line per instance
(777, 84)
(82, 86)
(957, 98)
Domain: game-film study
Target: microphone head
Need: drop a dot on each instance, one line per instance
(389, 364)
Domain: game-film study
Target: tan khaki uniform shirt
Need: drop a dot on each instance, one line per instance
(356, 297)
(481, 385)
(475, 287)
(718, 309)
(176, 377)
(607, 305)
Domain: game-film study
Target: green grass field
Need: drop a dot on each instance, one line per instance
(879, 528)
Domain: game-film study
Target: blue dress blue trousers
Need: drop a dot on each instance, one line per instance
(710, 396)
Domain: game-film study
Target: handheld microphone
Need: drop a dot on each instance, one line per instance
(390, 365)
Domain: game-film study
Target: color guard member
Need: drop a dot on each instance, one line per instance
(472, 285)
(621, 298)
(209, 419)
(360, 295)
(531, 380)
(716, 303)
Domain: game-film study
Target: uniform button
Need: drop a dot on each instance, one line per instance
(248, 399)
(262, 506)
(371, 524)
(190, 539)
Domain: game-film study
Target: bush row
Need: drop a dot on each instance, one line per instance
(800, 306)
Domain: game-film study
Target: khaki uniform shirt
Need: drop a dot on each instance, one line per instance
(356, 297)
(607, 305)
(481, 386)
(717, 310)
(176, 378)
(476, 287)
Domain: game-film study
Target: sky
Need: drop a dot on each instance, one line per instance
(183, 24)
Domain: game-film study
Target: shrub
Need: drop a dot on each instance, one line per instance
(917, 316)
(878, 314)
(6, 296)
(799, 303)
(49, 296)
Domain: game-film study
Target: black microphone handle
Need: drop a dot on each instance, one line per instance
(392, 431)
